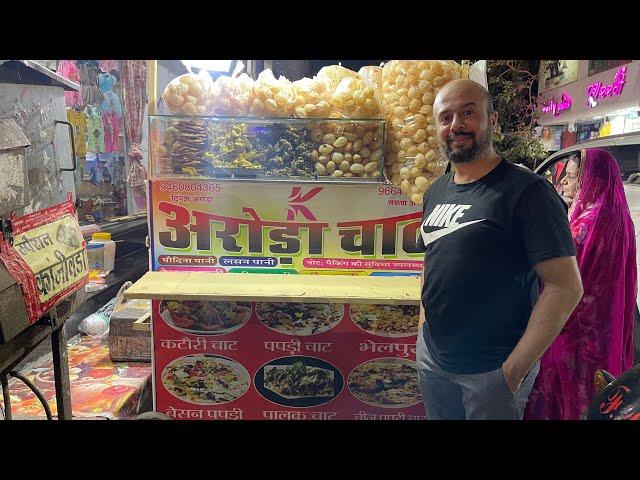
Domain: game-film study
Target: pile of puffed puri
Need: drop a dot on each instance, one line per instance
(402, 93)
(409, 87)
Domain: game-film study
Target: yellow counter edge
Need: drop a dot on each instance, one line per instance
(276, 288)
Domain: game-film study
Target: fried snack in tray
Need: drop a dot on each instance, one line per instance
(312, 98)
(189, 94)
(286, 149)
(272, 97)
(409, 87)
(233, 96)
(347, 149)
(184, 143)
(229, 146)
(332, 75)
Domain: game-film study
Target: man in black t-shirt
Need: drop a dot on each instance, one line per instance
(493, 234)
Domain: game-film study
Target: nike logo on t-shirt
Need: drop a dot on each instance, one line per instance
(433, 236)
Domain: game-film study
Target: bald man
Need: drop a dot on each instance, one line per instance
(493, 234)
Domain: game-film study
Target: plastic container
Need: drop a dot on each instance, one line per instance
(95, 256)
(109, 249)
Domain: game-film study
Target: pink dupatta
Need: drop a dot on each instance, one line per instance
(599, 333)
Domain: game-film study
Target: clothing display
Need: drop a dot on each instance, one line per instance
(79, 122)
(482, 240)
(599, 332)
(67, 68)
(134, 80)
(605, 130)
(111, 122)
(137, 175)
(111, 103)
(569, 138)
(95, 130)
(108, 65)
(112, 167)
(91, 162)
(106, 81)
(91, 93)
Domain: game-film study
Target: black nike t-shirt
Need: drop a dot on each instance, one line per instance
(481, 241)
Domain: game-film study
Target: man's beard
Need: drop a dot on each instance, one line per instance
(467, 155)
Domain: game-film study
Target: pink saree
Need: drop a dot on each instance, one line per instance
(599, 333)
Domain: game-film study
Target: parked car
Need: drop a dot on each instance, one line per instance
(626, 150)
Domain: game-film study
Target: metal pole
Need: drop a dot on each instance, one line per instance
(5, 395)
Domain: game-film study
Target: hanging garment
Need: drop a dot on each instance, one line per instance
(111, 103)
(106, 82)
(111, 122)
(134, 80)
(137, 174)
(111, 166)
(79, 122)
(67, 68)
(95, 130)
(91, 94)
(569, 139)
(91, 160)
(137, 180)
(108, 65)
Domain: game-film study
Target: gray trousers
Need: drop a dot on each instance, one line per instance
(479, 396)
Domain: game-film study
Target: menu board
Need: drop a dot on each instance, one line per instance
(283, 227)
(285, 361)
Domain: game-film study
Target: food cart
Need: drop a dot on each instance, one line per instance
(281, 290)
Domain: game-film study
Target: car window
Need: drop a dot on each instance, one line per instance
(555, 172)
(628, 157)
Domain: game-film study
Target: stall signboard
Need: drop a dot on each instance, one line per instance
(285, 361)
(597, 91)
(275, 361)
(283, 227)
(47, 256)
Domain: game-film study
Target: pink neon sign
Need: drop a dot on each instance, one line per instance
(599, 90)
(556, 108)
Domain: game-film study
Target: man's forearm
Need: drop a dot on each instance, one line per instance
(551, 312)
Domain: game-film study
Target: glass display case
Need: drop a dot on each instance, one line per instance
(267, 148)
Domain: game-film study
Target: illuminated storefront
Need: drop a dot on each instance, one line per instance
(581, 106)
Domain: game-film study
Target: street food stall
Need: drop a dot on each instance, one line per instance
(283, 220)
(43, 263)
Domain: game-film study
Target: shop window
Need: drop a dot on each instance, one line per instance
(599, 66)
(97, 114)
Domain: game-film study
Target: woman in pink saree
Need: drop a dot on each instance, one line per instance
(599, 333)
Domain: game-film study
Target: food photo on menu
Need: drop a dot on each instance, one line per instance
(206, 317)
(300, 318)
(386, 383)
(299, 381)
(205, 379)
(386, 320)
